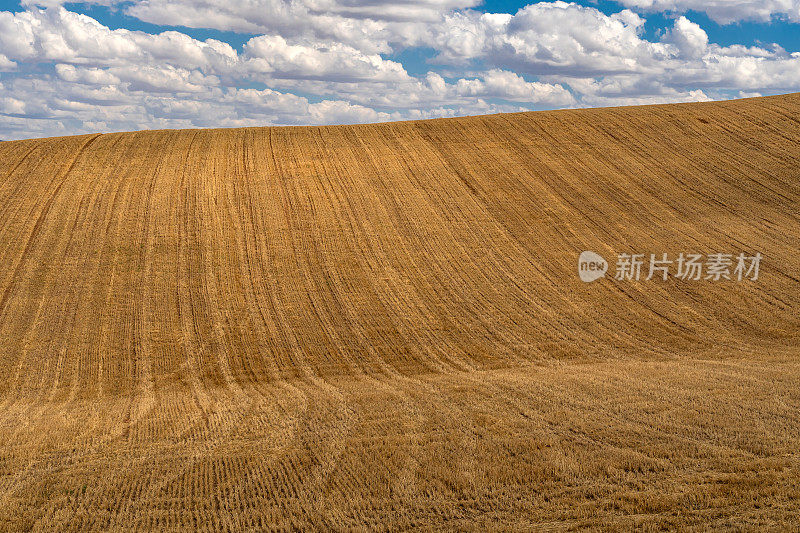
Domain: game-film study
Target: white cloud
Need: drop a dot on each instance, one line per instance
(274, 56)
(369, 26)
(63, 36)
(11, 106)
(67, 73)
(435, 91)
(338, 112)
(690, 39)
(563, 43)
(55, 107)
(93, 76)
(550, 37)
(166, 78)
(6, 64)
(511, 86)
(725, 11)
(631, 90)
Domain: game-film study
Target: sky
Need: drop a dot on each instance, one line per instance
(107, 65)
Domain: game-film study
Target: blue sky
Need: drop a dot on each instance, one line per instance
(68, 68)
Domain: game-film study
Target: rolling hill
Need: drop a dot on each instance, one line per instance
(382, 326)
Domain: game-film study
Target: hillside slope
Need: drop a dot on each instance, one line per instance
(384, 325)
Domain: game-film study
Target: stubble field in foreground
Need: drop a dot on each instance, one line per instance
(382, 325)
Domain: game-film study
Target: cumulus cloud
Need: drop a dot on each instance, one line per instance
(550, 37)
(6, 64)
(273, 55)
(339, 61)
(566, 42)
(370, 26)
(511, 86)
(690, 39)
(725, 11)
(63, 36)
(94, 76)
(53, 107)
(435, 91)
(632, 90)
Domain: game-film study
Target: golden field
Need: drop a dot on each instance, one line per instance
(382, 326)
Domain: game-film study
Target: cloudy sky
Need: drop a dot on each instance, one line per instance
(108, 65)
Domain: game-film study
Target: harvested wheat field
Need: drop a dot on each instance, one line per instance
(382, 326)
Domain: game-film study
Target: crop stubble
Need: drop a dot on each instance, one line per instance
(382, 325)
